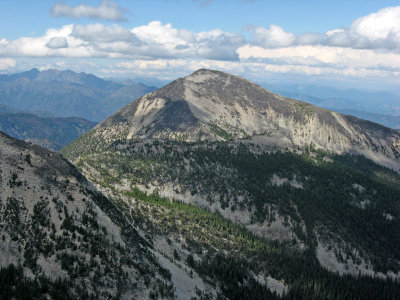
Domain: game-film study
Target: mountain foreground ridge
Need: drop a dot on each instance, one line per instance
(60, 237)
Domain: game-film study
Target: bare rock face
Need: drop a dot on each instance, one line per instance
(212, 105)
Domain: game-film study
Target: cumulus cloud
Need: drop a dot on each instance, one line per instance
(57, 42)
(107, 10)
(7, 63)
(383, 26)
(170, 69)
(370, 46)
(335, 57)
(101, 33)
(154, 40)
(380, 30)
(310, 38)
(272, 37)
(165, 41)
(39, 47)
(217, 44)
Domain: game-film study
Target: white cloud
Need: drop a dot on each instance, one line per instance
(310, 38)
(370, 46)
(107, 10)
(380, 26)
(57, 42)
(334, 57)
(170, 69)
(154, 40)
(101, 33)
(272, 37)
(331, 61)
(380, 30)
(217, 44)
(7, 63)
(38, 47)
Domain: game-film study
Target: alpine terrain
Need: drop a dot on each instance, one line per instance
(252, 192)
(61, 238)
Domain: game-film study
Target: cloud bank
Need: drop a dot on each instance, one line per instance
(369, 47)
(57, 42)
(380, 30)
(107, 10)
(154, 40)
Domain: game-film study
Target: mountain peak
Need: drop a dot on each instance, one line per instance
(202, 72)
(216, 106)
(202, 75)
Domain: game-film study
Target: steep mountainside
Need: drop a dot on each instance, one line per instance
(51, 133)
(67, 94)
(61, 238)
(284, 169)
(64, 234)
(215, 106)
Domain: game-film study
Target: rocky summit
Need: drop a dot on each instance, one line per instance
(211, 105)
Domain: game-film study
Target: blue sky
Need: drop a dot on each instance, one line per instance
(338, 42)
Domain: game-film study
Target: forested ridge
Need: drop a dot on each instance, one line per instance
(356, 209)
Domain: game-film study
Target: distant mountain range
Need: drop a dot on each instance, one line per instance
(49, 132)
(387, 120)
(379, 107)
(68, 94)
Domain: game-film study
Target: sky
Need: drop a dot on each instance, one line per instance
(341, 43)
